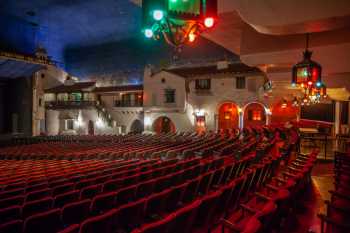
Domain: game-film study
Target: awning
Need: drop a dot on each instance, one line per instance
(10, 68)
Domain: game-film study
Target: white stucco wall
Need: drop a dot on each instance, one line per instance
(223, 89)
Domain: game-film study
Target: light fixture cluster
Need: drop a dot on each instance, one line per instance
(178, 21)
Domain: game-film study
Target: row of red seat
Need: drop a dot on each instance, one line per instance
(168, 176)
(269, 207)
(134, 146)
(337, 216)
(208, 180)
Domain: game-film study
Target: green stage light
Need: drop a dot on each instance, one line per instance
(148, 33)
(158, 15)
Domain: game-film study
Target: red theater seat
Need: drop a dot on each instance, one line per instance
(90, 191)
(71, 229)
(10, 213)
(185, 217)
(156, 205)
(145, 188)
(103, 202)
(45, 222)
(34, 207)
(102, 223)
(75, 212)
(65, 198)
(14, 226)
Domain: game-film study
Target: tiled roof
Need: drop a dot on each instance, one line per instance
(234, 68)
(119, 88)
(79, 86)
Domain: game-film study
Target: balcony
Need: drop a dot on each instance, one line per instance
(69, 104)
(128, 104)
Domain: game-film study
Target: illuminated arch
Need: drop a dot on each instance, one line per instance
(254, 114)
(163, 124)
(228, 116)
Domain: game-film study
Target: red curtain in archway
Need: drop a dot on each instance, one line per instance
(254, 115)
(282, 113)
(228, 116)
(163, 125)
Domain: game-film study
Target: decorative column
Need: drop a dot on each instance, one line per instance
(337, 118)
(240, 118)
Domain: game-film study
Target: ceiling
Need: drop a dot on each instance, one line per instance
(88, 37)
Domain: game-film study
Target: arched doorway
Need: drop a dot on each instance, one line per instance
(254, 115)
(163, 125)
(283, 112)
(136, 127)
(228, 116)
(91, 128)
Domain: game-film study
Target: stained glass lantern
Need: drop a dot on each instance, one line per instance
(307, 72)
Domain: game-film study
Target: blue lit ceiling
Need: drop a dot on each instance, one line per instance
(88, 37)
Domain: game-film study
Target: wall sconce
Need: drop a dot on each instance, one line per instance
(284, 104)
(239, 110)
(199, 112)
(79, 121)
(148, 121)
(268, 111)
(99, 123)
(227, 115)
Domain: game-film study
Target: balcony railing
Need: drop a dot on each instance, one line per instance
(127, 104)
(69, 104)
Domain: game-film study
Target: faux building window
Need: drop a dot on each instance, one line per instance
(240, 82)
(203, 84)
(169, 95)
(255, 115)
(69, 124)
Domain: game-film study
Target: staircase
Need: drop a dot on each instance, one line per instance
(104, 114)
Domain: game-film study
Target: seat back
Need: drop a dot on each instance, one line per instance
(39, 194)
(175, 197)
(75, 212)
(112, 185)
(145, 189)
(10, 201)
(103, 202)
(14, 226)
(33, 207)
(90, 191)
(63, 188)
(126, 195)
(71, 229)
(65, 198)
(10, 213)
(101, 223)
(161, 226)
(49, 221)
(130, 216)
(156, 203)
(207, 208)
(205, 182)
(184, 218)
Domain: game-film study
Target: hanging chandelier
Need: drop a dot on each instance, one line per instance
(178, 21)
(307, 75)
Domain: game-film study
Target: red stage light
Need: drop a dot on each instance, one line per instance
(209, 22)
(192, 37)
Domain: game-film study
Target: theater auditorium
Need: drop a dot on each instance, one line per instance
(174, 116)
